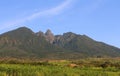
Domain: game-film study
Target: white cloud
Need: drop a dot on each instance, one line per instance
(53, 11)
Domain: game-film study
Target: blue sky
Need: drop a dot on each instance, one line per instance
(99, 19)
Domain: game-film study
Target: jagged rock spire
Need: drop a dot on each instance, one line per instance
(48, 32)
(49, 36)
(40, 33)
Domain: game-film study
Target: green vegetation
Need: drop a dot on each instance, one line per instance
(86, 67)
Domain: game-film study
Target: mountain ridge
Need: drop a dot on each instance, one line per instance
(23, 42)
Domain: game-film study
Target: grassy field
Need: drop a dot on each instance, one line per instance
(85, 67)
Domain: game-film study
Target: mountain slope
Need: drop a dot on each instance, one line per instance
(23, 42)
(85, 45)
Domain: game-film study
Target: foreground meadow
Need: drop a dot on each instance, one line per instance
(60, 68)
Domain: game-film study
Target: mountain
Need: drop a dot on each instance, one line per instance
(85, 45)
(23, 42)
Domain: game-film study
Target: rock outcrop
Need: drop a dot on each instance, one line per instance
(49, 36)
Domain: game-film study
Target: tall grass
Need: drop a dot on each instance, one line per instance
(86, 67)
(48, 70)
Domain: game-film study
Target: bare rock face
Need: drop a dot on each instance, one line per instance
(49, 36)
(40, 33)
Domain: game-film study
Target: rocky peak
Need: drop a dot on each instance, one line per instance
(48, 32)
(69, 35)
(40, 33)
(49, 36)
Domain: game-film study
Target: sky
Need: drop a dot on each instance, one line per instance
(98, 19)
